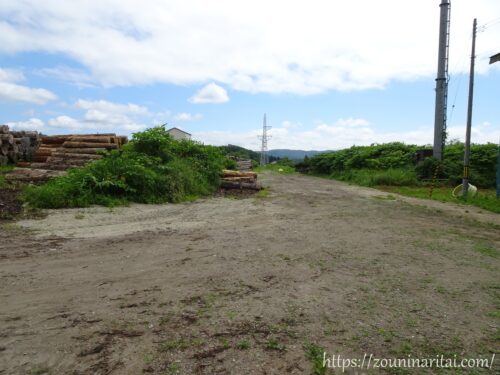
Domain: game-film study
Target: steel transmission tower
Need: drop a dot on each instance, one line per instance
(442, 81)
(264, 157)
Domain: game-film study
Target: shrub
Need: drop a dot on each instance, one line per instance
(152, 168)
(347, 164)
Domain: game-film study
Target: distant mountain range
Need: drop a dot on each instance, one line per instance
(244, 153)
(293, 154)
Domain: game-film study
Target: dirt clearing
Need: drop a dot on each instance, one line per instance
(257, 285)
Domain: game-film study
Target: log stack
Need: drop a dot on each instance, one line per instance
(244, 165)
(61, 152)
(239, 180)
(17, 145)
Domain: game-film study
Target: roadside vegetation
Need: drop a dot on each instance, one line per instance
(283, 166)
(151, 168)
(393, 167)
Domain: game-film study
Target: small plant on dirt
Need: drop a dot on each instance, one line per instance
(181, 344)
(148, 358)
(225, 344)
(243, 345)
(275, 345)
(173, 369)
(486, 249)
(39, 370)
(315, 354)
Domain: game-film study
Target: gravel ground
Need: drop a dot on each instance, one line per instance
(252, 285)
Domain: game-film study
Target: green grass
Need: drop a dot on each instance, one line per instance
(276, 168)
(275, 345)
(243, 345)
(371, 177)
(314, 354)
(485, 198)
(3, 170)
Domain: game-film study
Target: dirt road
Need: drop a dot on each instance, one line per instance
(259, 285)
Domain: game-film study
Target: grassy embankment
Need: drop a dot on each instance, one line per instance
(391, 167)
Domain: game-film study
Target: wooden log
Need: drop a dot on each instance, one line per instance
(240, 185)
(23, 164)
(45, 151)
(32, 174)
(14, 148)
(12, 156)
(39, 165)
(92, 139)
(97, 150)
(4, 129)
(54, 140)
(30, 134)
(50, 145)
(238, 179)
(66, 155)
(4, 149)
(109, 146)
(84, 135)
(229, 173)
(7, 138)
(39, 159)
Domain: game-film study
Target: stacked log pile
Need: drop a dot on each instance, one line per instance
(244, 165)
(17, 145)
(239, 180)
(61, 152)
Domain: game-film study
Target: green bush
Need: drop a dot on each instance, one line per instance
(369, 177)
(151, 168)
(353, 164)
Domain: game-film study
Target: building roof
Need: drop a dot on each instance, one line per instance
(495, 58)
(179, 130)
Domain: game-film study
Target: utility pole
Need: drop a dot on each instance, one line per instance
(442, 81)
(494, 59)
(264, 157)
(465, 181)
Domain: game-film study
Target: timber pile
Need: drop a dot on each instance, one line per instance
(239, 180)
(244, 165)
(17, 145)
(61, 152)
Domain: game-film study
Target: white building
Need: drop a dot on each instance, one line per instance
(179, 134)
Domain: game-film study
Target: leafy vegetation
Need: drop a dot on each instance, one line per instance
(3, 170)
(284, 166)
(395, 164)
(393, 167)
(314, 354)
(485, 198)
(151, 168)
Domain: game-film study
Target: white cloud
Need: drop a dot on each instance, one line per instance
(31, 124)
(11, 91)
(78, 77)
(210, 93)
(300, 47)
(183, 116)
(109, 107)
(342, 134)
(103, 116)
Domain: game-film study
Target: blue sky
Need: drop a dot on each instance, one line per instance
(327, 74)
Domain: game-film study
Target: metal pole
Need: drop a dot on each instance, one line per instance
(465, 181)
(442, 80)
(498, 172)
